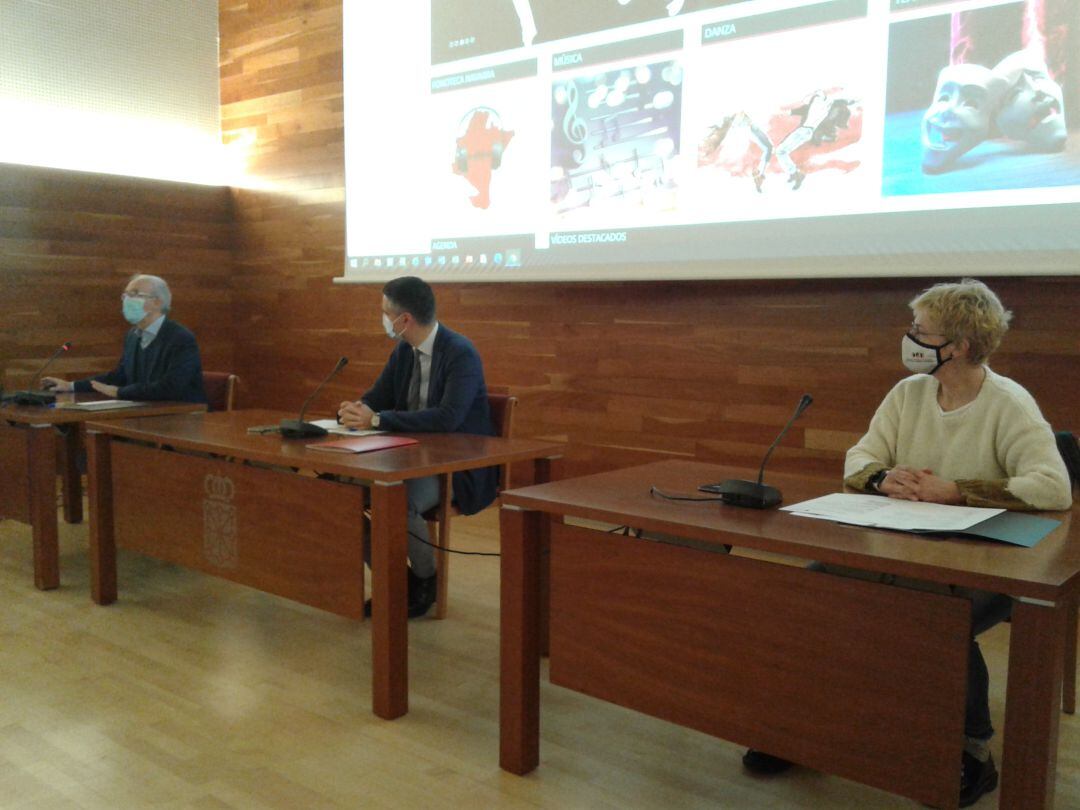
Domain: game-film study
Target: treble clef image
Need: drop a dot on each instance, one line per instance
(574, 128)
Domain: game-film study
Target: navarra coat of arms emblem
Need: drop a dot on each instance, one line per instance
(219, 522)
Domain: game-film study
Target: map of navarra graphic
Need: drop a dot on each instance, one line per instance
(479, 152)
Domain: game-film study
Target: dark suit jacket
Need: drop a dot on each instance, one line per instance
(457, 403)
(171, 368)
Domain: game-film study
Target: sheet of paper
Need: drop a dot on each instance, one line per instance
(332, 426)
(890, 513)
(100, 405)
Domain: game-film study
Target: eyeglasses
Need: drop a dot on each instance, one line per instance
(916, 332)
(125, 295)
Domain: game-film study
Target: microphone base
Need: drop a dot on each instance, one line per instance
(296, 429)
(30, 398)
(748, 494)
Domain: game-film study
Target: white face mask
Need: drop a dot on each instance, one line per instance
(921, 358)
(388, 325)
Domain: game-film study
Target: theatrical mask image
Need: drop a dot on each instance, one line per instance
(984, 99)
(777, 152)
(478, 151)
(614, 141)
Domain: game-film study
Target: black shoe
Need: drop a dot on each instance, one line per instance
(422, 593)
(976, 778)
(764, 764)
(796, 180)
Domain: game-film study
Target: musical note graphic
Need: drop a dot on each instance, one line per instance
(611, 133)
(615, 140)
(574, 127)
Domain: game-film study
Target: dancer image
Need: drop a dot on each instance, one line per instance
(718, 132)
(820, 117)
(827, 123)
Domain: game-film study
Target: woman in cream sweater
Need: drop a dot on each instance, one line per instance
(957, 433)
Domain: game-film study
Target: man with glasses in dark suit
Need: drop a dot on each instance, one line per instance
(160, 360)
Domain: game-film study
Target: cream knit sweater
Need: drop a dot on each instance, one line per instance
(999, 441)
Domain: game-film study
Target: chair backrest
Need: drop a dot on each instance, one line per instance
(501, 407)
(220, 387)
(1070, 452)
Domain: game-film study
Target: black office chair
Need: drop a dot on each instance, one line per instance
(1070, 452)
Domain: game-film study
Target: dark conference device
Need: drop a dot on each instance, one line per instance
(298, 428)
(756, 495)
(38, 397)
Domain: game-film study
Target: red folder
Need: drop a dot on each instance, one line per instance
(363, 444)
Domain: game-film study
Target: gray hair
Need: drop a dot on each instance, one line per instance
(158, 288)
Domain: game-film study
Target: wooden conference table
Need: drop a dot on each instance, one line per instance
(202, 492)
(29, 438)
(846, 676)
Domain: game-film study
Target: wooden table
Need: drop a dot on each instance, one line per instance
(202, 492)
(846, 676)
(29, 439)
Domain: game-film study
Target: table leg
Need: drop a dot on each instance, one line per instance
(389, 600)
(42, 464)
(1032, 706)
(519, 639)
(543, 472)
(1069, 686)
(70, 476)
(102, 537)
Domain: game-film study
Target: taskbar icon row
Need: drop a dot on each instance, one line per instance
(510, 258)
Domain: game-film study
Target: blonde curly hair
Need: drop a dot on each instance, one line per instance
(966, 310)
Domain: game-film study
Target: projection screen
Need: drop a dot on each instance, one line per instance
(664, 139)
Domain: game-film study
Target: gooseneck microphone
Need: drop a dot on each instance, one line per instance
(298, 428)
(757, 495)
(65, 346)
(42, 397)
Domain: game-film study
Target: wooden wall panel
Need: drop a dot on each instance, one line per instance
(70, 240)
(624, 372)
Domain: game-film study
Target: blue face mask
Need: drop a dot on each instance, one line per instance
(134, 310)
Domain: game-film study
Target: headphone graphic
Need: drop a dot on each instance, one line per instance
(461, 154)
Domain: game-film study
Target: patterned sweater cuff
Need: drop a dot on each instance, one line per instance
(992, 494)
(861, 479)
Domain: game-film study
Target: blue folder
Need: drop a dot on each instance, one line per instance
(1016, 528)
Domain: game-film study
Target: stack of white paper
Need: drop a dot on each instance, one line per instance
(891, 513)
(99, 405)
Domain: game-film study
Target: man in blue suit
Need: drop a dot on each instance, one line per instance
(432, 383)
(160, 359)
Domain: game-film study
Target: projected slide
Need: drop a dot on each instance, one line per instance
(538, 139)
